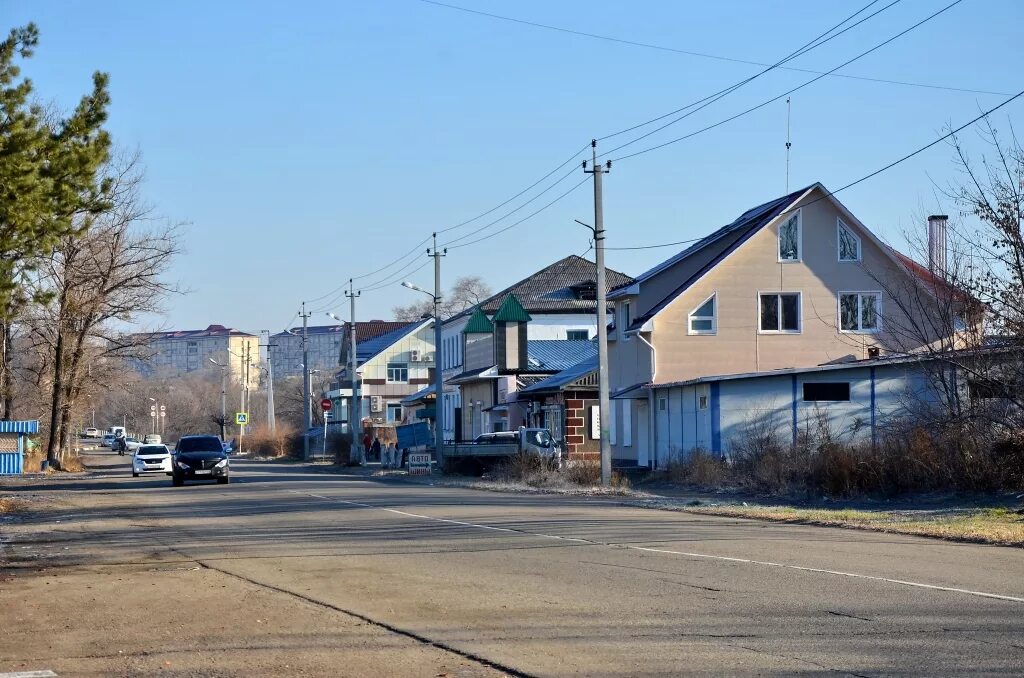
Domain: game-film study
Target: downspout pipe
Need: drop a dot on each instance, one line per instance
(652, 435)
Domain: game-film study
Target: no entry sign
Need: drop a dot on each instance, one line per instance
(325, 404)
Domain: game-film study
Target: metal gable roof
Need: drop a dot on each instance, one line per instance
(367, 350)
(565, 377)
(551, 289)
(555, 355)
(725, 238)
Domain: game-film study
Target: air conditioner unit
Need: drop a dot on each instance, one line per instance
(375, 404)
(428, 357)
(414, 355)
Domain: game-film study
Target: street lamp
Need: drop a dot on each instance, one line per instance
(223, 396)
(438, 377)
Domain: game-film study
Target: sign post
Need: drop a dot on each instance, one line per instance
(241, 418)
(325, 405)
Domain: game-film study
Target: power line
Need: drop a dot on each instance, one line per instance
(812, 44)
(529, 216)
(703, 55)
(712, 98)
(773, 99)
(864, 178)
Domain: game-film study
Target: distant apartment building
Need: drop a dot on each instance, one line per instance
(181, 352)
(327, 346)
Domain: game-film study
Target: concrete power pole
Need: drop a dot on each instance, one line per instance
(355, 410)
(438, 376)
(307, 413)
(602, 315)
(271, 418)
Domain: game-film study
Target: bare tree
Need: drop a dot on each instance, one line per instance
(468, 291)
(98, 282)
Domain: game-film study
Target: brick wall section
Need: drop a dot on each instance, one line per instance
(577, 438)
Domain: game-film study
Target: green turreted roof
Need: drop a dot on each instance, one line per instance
(478, 324)
(511, 311)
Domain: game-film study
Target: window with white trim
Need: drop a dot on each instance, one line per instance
(625, 318)
(398, 373)
(789, 238)
(703, 319)
(577, 335)
(779, 312)
(847, 242)
(394, 412)
(859, 311)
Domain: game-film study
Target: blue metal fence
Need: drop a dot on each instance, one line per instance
(10, 463)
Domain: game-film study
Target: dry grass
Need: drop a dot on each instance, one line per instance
(10, 505)
(71, 462)
(260, 442)
(1001, 526)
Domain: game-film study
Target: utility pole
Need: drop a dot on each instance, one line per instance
(271, 418)
(438, 376)
(602, 315)
(355, 410)
(306, 412)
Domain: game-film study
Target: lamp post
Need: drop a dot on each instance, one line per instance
(223, 396)
(154, 410)
(438, 377)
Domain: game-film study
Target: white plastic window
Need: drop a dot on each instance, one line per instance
(703, 319)
(848, 243)
(780, 312)
(859, 311)
(789, 239)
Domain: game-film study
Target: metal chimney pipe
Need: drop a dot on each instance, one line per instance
(937, 244)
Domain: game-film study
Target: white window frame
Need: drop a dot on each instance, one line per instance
(799, 238)
(387, 367)
(878, 311)
(389, 408)
(585, 332)
(799, 311)
(714, 317)
(840, 227)
(624, 313)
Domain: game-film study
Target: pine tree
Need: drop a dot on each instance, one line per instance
(49, 179)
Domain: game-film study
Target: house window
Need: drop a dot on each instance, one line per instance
(394, 412)
(193, 348)
(789, 239)
(577, 335)
(625, 318)
(780, 312)
(398, 373)
(858, 311)
(831, 391)
(702, 402)
(849, 243)
(702, 318)
(662, 404)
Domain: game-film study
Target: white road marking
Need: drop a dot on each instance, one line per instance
(29, 674)
(690, 554)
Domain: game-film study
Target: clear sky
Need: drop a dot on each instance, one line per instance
(304, 143)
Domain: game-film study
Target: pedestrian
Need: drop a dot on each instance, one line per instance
(375, 449)
(364, 451)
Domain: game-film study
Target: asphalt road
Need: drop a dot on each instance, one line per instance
(529, 585)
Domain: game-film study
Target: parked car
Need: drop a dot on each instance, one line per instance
(151, 439)
(151, 459)
(91, 433)
(199, 458)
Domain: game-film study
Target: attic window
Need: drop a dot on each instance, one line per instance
(702, 320)
(586, 291)
(849, 243)
(789, 239)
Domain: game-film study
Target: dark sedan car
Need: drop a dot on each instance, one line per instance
(199, 458)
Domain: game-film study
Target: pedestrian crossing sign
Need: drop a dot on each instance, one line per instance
(241, 418)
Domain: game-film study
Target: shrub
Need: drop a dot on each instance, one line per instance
(262, 443)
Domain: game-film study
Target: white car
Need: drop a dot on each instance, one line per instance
(151, 459)
(108, 440)
(91, 433)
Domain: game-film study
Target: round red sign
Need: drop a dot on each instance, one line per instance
(325, 404)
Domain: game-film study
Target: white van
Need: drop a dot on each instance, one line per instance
(108, 437)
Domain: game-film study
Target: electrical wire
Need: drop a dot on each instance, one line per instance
(712, 98)
(529, 216)
(703, 55)
(862, 179)
(773, 99)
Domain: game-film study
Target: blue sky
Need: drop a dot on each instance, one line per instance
(307, 143)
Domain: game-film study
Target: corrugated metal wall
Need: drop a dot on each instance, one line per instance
(10, 463)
